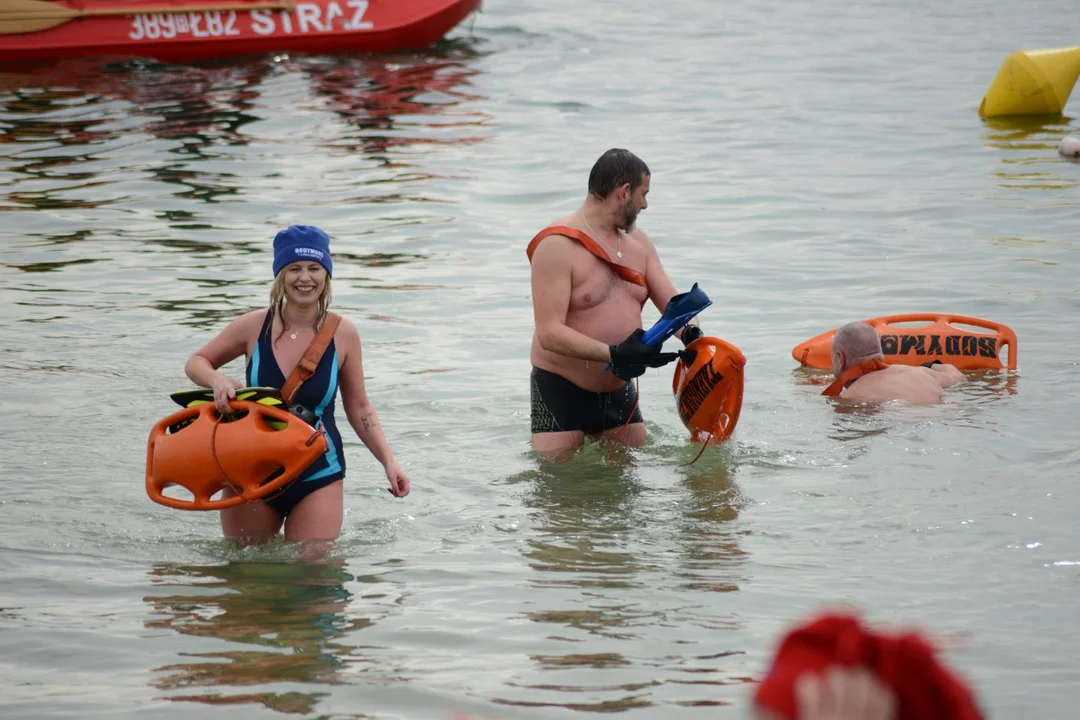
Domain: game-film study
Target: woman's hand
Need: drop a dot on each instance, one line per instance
(224, 390)
(399, 481)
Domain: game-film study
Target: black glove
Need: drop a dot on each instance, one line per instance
(632, 351)
(691, 333)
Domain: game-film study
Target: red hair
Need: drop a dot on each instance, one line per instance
(906, 663)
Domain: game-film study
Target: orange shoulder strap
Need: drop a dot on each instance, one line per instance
(628, 274)
(852, 374)
(306, 367)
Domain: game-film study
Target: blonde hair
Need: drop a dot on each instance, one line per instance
(279, 298)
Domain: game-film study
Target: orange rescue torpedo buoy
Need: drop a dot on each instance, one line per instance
(938, 338)
(708, 386)
(255, 450)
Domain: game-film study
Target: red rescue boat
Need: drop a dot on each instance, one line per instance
(189, 30)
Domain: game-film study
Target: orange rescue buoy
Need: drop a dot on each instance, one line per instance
(708, 386)
(255, 450)
(938, 338)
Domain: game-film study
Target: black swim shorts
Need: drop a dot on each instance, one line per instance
(559, 405)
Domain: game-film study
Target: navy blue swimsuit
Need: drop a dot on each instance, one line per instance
(316, 394)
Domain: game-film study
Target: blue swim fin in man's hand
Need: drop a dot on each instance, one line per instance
(680, 310)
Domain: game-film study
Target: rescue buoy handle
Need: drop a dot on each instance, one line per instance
(943, 318)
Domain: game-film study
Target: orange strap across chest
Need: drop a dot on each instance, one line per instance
(628, 274)
(306, 367)
(852, 374)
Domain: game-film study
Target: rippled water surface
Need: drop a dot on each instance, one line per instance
(813, 163)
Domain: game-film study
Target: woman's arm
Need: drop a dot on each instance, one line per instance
(358, 408)
(229, 344)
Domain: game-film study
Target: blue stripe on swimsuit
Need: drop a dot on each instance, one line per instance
(317, 394)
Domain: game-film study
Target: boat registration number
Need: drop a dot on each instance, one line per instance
(308, 18)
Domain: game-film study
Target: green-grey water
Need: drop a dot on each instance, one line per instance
(813, 163)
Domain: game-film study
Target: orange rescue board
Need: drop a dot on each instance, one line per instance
(709, 388)
(256, 453)
(938, 338)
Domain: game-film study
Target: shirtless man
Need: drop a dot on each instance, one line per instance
(861, 373)
(591, 275)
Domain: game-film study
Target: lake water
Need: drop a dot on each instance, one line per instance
(813, 163)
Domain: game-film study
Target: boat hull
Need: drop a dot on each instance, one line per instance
(314, 26)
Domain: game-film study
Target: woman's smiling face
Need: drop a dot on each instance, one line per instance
(304, 281)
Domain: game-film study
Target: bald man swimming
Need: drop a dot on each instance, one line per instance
(861, 373)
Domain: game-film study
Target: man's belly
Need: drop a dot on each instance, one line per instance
(590, 375)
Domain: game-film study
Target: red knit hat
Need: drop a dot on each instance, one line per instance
(925, 689)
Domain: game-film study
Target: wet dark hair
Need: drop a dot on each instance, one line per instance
(614, 168)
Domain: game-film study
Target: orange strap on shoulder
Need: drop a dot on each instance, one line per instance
(628, 274)
(306, 367)
(852, 374)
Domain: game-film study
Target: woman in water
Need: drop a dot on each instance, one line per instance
(274, 340)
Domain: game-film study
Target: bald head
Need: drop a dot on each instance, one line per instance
(854, 343)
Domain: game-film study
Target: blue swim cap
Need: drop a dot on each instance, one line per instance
(302, 242)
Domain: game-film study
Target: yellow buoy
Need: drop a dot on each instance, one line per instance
(1032, 82)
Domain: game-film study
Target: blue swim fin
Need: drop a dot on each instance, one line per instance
(680, 310)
